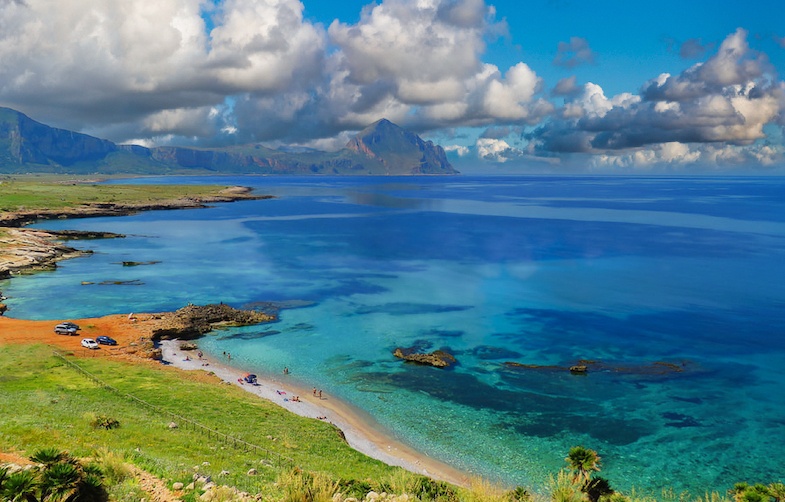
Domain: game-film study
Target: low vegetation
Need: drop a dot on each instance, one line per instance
(52, 414)
(51, 192)
(56, 476)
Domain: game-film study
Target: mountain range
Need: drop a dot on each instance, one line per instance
(382, 148)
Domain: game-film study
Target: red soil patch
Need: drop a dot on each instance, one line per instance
(128, 334)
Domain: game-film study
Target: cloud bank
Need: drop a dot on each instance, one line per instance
(713, 111)
(252, 70)
(234, 71)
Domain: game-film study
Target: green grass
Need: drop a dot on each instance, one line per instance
(55, 193)
(44, 402)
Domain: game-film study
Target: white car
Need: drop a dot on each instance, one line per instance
(89, 343)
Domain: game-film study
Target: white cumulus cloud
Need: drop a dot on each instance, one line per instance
(724, 102)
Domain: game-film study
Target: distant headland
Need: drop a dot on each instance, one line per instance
(382, 148)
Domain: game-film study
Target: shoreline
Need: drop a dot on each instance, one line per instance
(24, 250)
(135, 347)
(360, 430)
(28, 250)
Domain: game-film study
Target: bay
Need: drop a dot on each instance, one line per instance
(673, 285)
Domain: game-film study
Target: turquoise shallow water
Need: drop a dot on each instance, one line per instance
(530, 270)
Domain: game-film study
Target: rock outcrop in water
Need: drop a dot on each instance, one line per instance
(585, 366)
(437, 358)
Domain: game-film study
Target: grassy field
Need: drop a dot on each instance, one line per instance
(51, 192)
(44, 402)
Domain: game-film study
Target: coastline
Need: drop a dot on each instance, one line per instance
(360, 430)
(29, 250)
(134, 344)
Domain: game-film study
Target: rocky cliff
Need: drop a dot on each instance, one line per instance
(400, 151)
(25, 141)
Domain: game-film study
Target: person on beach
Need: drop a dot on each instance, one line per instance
(286, 370)
(320, 393)
(314, 392)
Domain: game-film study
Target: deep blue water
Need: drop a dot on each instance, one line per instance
(630, 272)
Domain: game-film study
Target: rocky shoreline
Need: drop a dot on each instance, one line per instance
(193, 321)
(188, 323)
(31, 250)
(88, 210)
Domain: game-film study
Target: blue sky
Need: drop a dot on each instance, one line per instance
(538, 86)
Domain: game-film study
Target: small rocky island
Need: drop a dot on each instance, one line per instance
(437, 358)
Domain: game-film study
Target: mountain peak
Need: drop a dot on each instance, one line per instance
(399, 150)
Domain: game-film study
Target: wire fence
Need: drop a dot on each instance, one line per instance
(212, 434)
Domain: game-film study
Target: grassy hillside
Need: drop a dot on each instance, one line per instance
(44, 402)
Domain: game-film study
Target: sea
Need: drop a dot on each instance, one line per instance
(670, 290)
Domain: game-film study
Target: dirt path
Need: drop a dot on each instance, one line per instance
(153, 486)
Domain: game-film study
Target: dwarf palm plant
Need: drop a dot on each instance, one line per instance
(60, 482)
(21, 486)
(59, 478)
(582, 461)
(50, 456)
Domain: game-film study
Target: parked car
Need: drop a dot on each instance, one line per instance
(89, 343)
(105, 340)
(66, 328)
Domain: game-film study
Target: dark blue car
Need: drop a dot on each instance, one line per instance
(105, 340)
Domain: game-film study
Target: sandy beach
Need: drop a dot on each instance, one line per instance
(361, 432)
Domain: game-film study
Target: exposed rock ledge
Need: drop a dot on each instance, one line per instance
(437, 358)
(24, 250)
(21, 218)
(27, 250)
(194, 321)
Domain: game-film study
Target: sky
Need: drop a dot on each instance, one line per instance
(547, 86)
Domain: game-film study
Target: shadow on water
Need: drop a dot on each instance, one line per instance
(441, 333)
(528, 412)
(403, 308)
(249, 335)
(653, 334)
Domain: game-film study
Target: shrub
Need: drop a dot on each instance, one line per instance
(519, 494)
(596, 488)
(113, 466)
(300, 486)
(565, 488)
(354, 488)
(429, 489)
(104, 422)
